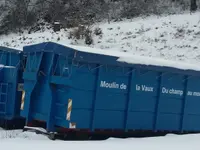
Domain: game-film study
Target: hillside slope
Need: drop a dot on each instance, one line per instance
(174, 37)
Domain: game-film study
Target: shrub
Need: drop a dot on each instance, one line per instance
(98, 31)
(82, 33)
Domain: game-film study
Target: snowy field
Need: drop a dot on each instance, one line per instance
(16, 140)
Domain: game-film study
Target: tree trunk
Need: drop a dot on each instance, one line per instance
(193, 5)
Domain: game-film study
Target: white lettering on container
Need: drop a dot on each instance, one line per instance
(144, 88)
(172, 91)
(190, 93)
(113, 85)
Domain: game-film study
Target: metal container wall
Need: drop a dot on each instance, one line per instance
(11, 84)
(78, 90)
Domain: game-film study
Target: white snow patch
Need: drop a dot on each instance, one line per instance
(159, 62)
(36, 128)
(136, 59)
(5, 134)
(31, 136)
(18, 134)
(3, 66)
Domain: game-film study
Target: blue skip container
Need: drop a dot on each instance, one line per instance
(11, 83)
(69, 88)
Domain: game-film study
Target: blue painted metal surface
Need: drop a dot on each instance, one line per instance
(78, 90)
(11, 84)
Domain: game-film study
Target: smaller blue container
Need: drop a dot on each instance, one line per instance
(11, 85)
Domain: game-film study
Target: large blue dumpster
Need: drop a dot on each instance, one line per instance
(11, 83)
(65, 87)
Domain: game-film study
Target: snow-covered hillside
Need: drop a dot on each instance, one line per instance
(174, 37)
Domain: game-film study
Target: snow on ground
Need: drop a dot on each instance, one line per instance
(18, 134)
(32, 141)
(173, 37)
(18, 140)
